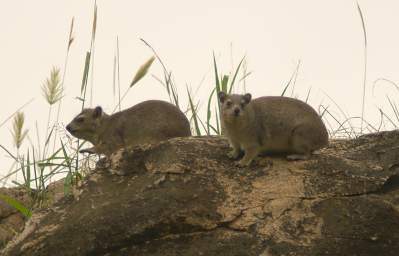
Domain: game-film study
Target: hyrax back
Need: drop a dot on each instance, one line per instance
(147, 122)
(272, 125)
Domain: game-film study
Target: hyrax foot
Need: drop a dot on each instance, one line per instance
(242, 163)
(297, 157)
(250, 154)
(234, 154)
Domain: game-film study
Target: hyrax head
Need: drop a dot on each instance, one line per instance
(85, 125)
(233, 105)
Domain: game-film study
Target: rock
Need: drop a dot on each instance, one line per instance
(11, 221)
(185, 197)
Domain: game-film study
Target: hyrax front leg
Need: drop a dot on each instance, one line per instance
(251, 152)
(236, 151)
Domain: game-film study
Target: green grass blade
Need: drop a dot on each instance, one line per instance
(215, 130)
(217, 122)
(245, 76)
(67, 184)
(9, 153)
(114, 78)
(28, 171)
(34, 167)
(235, 74)
(225, 81)
(291, 78)
(202, 124)
(216, 74)
(18, 110)
(94, 29)
(194, 113)
(23, 167)
(85, 73)
(49, 137)
(307, 96)
(16, 204)
(66, 157)
(388, 118)
(209, 112)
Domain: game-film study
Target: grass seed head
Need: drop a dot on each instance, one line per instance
(52, 87)
(17, 129)
(142, 71)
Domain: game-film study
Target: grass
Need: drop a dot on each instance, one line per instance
(39, 164)
(365, 65)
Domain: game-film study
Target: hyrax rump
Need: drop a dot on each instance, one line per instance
(147, 122)
(270, 124)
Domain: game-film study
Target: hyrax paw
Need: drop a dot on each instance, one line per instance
(294, 157)
(234, 154)
(243, 163)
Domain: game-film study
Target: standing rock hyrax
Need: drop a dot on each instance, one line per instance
(147, 122)
(270, 125)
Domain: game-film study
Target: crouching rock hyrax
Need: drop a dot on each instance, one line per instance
(270, 125)
(147, 122)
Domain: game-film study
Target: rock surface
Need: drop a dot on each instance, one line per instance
(11, 221)
(185, 197)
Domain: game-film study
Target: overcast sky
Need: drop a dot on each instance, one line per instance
(325, 35)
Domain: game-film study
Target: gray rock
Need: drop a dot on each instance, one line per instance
(185, 197)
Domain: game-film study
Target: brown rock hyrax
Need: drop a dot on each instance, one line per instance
(147, 122)
(270, 125)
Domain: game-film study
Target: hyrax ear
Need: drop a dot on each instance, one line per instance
(247, 97)
(98, 111)
(222, 96)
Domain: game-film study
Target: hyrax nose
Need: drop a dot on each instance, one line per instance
(68, 127)
(236, 111)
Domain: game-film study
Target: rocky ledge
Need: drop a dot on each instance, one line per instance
(185, 197)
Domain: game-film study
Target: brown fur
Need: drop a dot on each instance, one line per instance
(147, 122)
(272, 125)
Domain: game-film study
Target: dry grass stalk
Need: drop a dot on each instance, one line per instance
(18, 133)
(52, 87)
(142, 71)
(71, 37)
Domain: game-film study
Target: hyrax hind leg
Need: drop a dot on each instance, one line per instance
(301, 143)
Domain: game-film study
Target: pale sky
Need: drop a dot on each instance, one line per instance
(274, 34)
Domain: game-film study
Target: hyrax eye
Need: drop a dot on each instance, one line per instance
(80, 120)
(229, 103)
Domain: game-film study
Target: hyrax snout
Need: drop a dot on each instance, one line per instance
(270, 124)
(147, 122)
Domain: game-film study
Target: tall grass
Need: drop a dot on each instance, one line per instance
(53, 92)
(365, 65)
(167, 81)
(71, 38)
(141, 72)
(39, 164)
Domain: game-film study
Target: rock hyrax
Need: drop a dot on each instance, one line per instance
(147, 122)
(270, 125)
